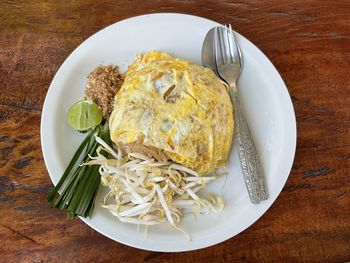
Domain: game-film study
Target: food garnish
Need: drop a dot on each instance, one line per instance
(77, 189)
(84, 115)
(78, 186)
(102, 85)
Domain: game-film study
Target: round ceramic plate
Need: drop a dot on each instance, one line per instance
(265, 101)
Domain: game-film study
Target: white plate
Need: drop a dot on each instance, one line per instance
(266, 101)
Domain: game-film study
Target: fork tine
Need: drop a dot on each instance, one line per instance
(226, 48)
(217, 51)
(222, 45)
(229, 45)
(239, 51)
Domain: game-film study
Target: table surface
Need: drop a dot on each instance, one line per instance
(307, 41)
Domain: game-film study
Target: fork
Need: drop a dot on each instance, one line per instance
(229, 63)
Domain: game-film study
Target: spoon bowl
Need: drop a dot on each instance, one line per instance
(208, 51)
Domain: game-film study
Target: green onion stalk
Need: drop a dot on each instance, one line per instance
(81, 181)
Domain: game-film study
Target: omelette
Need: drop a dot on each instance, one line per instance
(172, 109)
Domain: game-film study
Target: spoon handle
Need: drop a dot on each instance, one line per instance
(248, 155)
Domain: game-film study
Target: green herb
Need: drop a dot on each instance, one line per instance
(80, 190)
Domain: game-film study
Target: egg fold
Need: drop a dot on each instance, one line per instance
(171, 108)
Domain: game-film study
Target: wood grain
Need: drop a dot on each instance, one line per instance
(308, 42)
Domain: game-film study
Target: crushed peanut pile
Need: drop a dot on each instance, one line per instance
(103, 83)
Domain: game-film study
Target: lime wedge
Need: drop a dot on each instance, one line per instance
(84, 115)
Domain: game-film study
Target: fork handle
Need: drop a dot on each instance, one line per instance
(248, 155)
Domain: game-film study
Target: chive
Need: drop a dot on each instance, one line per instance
(90, 186)
(66, 194)
(105, 137)
(77, 192)
(89, 190)
(82, 176)
(82, 179)
(69, 167)
(78, 195)
(91, 207)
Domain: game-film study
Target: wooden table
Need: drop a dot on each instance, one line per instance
(308, 42)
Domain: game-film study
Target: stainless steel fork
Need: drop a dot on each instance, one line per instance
(229, 63)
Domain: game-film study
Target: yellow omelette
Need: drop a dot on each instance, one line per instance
(180, 108)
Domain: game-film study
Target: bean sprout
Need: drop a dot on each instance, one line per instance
(146, 192)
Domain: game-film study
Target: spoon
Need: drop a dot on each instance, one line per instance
(208, 51)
